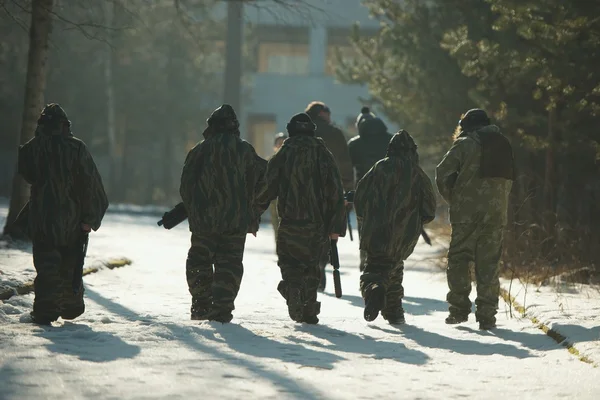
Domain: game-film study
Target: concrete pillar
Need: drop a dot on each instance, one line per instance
(317, 50)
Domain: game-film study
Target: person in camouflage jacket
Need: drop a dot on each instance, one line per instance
(218, 186)
(335, 140)
(279, 139)
(475, 178)
(367, 148)
(303, 176)
(67, 201)
(392, 201)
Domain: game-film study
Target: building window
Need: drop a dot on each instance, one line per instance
(283, 58)
(261, 133)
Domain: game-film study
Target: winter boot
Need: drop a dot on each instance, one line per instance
(394, 316)
(219, 315)
(454, 319)
(295, 304)
(282, 288)
(199, 311)
(374, 302)
(310, 313)
(486, 324)
(40, 320)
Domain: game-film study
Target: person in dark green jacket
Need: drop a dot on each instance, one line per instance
(475, 179)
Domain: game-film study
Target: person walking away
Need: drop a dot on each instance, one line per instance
(393, 201)
(368, 147)
(67, 201)
(304, 178)
(335, 140)
(475, 179)
(218, 186)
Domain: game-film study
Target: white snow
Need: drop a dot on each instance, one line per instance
(136, 341)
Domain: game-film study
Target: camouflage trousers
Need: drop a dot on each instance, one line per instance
(53, 285)
(363, 253)
(215, 288)
(382, 271)
(299, 249)
(483, 245)
(274, 216)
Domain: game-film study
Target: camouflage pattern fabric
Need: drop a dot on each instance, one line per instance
(393, 201)
(478, 213)
(335, 140)
(218, 185)
(66, 191)
(380, 270)
(305, 180)
(481, 244)
(218, 288)
(66, 188)
(298, 248)
(470, 197)
(366, 149)
(274, 216)
(54, 295)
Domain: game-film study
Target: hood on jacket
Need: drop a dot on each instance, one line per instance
(53, 121)
(401, 145)
(373, 126)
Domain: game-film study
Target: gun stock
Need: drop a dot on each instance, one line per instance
(78, 273)
(335, 261)
(350, 227)
(174, 217)
(425, 236)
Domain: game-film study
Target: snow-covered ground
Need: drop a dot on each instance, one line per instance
(573, 310)
(136, 340)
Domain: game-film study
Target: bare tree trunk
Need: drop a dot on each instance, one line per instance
(114, 172)
(35, 85)
(233, 55)
(550, 180)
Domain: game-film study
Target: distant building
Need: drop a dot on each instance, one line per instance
(293, 63)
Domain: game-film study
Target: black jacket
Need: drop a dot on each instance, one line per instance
(369, 146)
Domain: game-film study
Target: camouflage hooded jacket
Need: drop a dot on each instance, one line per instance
(66, 188)
(472, 196)
(304, 178)
(218, 185)
(393, 201)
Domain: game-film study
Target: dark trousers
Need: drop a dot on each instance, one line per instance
(387, 273)
(215, 288)
(299, 249)
(53, 285)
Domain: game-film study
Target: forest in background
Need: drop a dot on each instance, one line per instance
(161, 71)
(534, 66)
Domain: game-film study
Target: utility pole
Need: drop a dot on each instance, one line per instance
(233, 55)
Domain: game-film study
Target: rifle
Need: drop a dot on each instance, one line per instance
(425, 236)
(78, 273)
(335, 261)
(174, 217)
